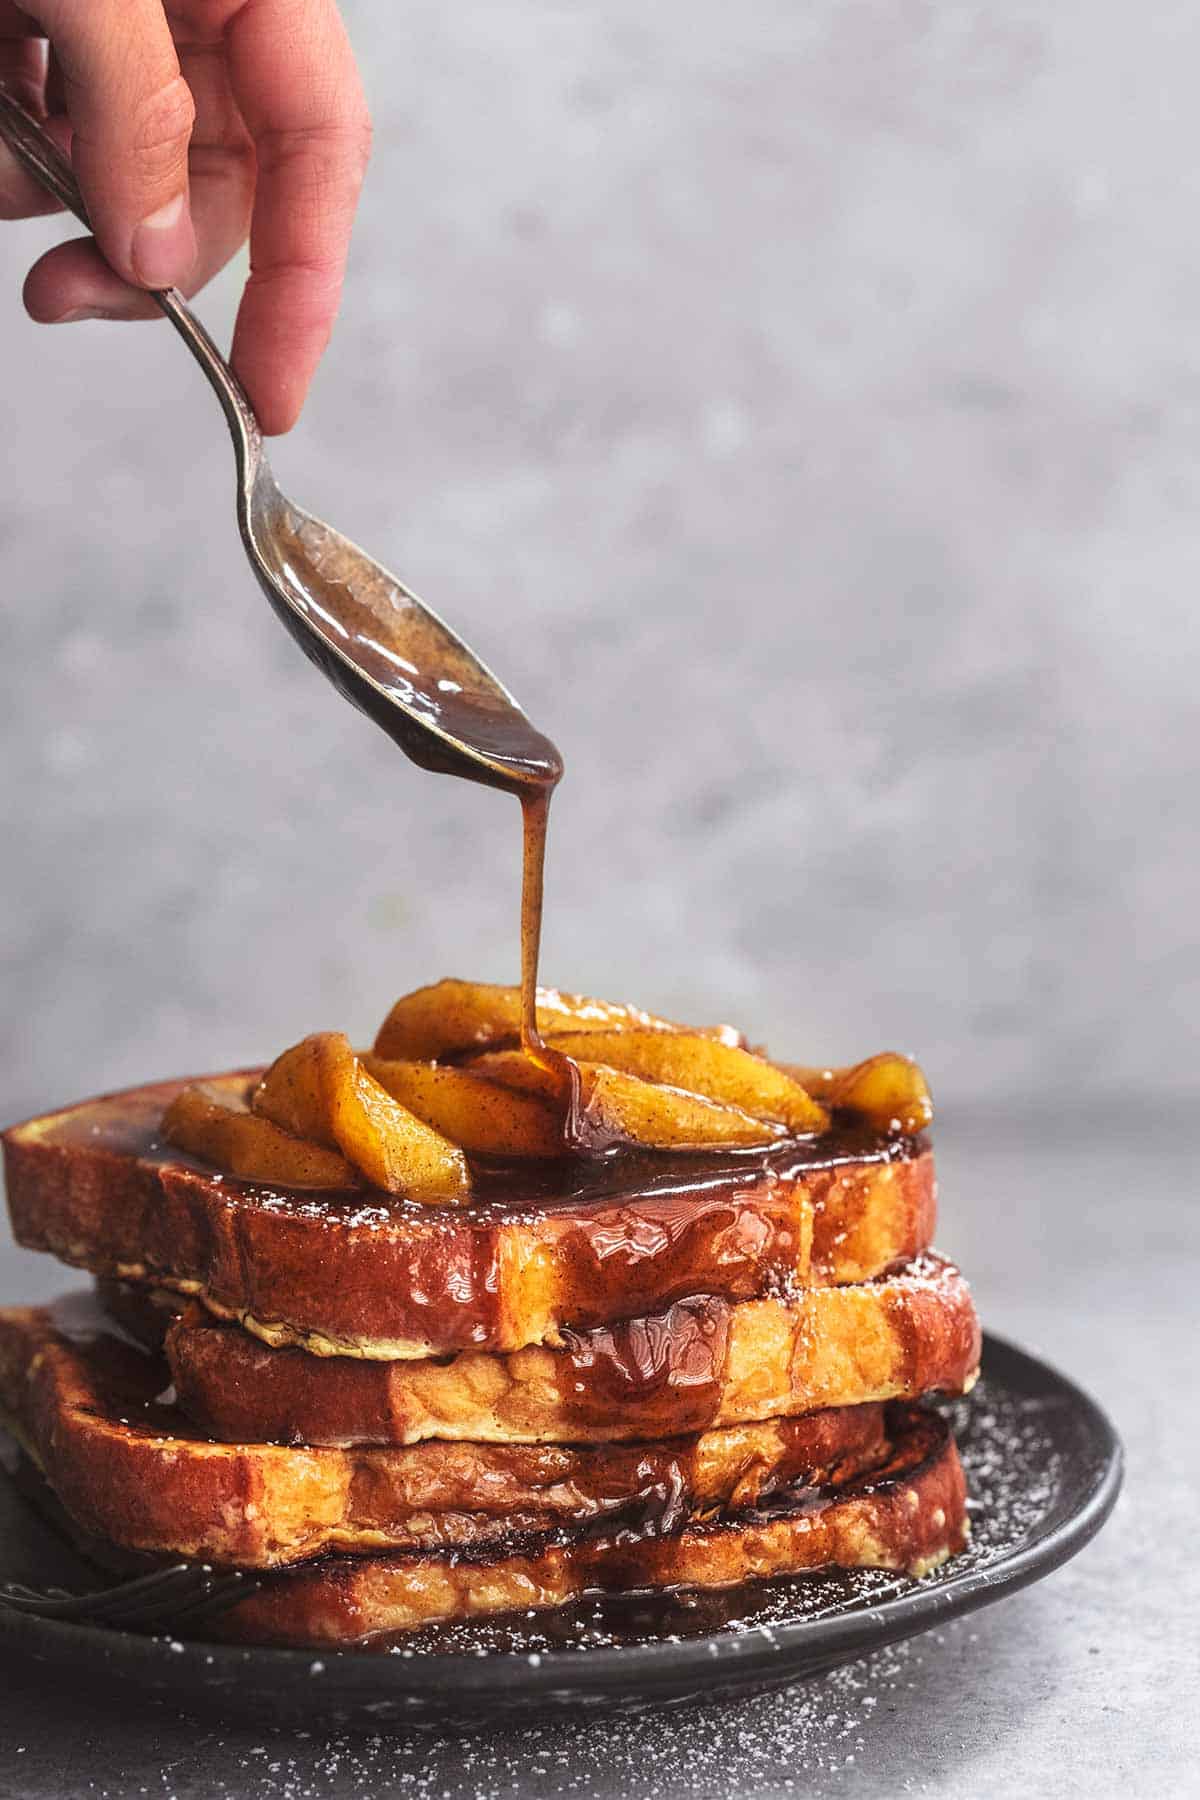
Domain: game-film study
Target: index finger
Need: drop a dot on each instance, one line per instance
(294, 78)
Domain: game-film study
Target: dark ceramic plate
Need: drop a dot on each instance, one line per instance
(1043, 1466)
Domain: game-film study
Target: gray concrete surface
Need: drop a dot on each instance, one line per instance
(799, 407)
(803, 398)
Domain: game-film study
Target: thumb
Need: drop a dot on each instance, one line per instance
(131, 116)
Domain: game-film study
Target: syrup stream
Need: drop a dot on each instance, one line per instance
(535, 817)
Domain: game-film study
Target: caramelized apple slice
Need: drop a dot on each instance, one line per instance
(890, 1090)
(484, 1116)
(208, 1125)
(452, 1016)
(292, 1092)
(890, 1087)
(701, 1065)
(394, 1149)
(513, 1069)
(321, 1087)
(618, 1105)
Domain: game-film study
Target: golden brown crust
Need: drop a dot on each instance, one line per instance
(699, 1364)
(911, 1519)
(132, 1471)
(367, 1275)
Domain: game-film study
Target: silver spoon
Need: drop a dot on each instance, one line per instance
(378, 644)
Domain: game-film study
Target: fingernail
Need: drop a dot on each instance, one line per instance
(164, 245)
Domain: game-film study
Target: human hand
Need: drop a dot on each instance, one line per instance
(190, 124)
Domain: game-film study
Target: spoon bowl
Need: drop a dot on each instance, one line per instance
(387, 652)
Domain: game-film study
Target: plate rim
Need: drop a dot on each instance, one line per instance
(759, 1649)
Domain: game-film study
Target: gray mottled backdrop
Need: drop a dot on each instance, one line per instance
(800, 406)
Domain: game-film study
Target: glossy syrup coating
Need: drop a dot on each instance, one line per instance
(908, 1514)
(545, 1245)
(130, 1467)
(699, 1364)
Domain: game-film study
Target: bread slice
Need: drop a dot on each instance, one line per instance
(700, 1364)
(908, 1514)
(906, 1511)
(363, 1274)
(128, 1467)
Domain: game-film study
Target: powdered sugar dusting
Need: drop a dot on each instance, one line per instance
(774, 1742)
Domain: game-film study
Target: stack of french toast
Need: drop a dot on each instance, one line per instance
(457, 1328)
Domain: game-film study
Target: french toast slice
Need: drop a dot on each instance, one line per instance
(904, 1509)
(88, 1407)
(697, 1365)
(908, 1513)
(363, 1274)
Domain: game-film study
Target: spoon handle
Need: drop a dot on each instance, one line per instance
(39, 153)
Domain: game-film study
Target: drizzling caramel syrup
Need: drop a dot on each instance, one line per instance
(535, 815)
(523, 762)
(535, 818)
(380, 648)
